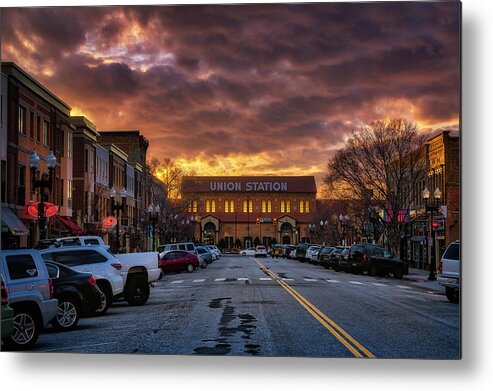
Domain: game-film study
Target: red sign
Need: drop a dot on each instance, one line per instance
(109, 222)
(49, 209)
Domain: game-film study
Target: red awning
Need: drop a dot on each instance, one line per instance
(72, 227)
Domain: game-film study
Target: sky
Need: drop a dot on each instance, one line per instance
(245, 89)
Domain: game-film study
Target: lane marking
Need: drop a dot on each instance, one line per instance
(333, 281)
(220, 279)
(404, 287)
(176, 282)
(287, 279)
(378, 284)
(356, 282)
(199, 280)
(337, 331)
(265, 279)
(310, 279)
(243, 279)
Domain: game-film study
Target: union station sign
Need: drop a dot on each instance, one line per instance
(248, 186)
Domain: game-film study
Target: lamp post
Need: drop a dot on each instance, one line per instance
(311, 228)
(45, 182)
(344, 220)
(118, 207)
(437, 195)
(153, 213)
(323, 227)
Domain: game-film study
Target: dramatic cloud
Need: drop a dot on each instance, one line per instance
(245, 89)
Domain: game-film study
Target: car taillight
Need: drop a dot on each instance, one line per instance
(117, 265)
(50, 283)
(440, 264)
(92, 281)
(364, 257)
(5, 294)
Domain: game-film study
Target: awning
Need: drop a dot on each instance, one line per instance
(72, 227)
(10, 222)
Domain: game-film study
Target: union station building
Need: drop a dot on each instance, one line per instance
(250, 209)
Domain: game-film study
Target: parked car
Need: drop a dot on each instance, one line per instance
(99, 261)
(260, 251)
(205, 253)
(7, 313)
(215, 250)
(71, 241)
(292, 254)
(249, 252)
(311, 254)
(186, 246)
(449, 272)
(335, 256)
(375, 260)
(31, 296)
(324, 255)
(77, 294)
(287, 249)
(178, 260)
(301, 251)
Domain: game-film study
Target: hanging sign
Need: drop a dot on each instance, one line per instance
(49, 209)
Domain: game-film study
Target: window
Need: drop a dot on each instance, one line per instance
(21, 185)
(302, 206)
(61, 192)
(21, 266)
(194, 206)
(213, 206)
(53, 271)
(307, 206)
(269, 206)
(264, 206)
(31, 124)
(231, 206)
(38, 129)
(207, 205)
(226, 206)
(22, 120)
(250, 206)
(283, 207)
(69, 145)
(245, 207)
(69, 193)
(288, 206)
(45, 132)
(69, 258)
(189, 206)
(92, 257)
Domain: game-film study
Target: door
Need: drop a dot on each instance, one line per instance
(24, 276)
(169, 261)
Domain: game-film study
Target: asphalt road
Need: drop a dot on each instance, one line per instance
(273, 307)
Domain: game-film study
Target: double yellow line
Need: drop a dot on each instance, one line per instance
(337, 331)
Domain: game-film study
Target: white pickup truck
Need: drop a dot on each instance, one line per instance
(449, 267)
(139, 270)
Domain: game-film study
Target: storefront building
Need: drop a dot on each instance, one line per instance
(243, 211)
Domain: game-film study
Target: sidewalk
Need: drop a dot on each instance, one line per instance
(419, 278)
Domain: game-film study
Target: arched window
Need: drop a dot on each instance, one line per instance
(302, 206)
(231, 206)
(245, 207)
(190, 206)
(269, 206)
(250, 206)
(264, 206)
(288, 206)
(194, 206)
(283, 207)
(207, 206)
(213, 206)
(307, 206)
(226, 206)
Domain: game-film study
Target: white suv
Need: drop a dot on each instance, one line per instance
(97, 260)
(449, 268)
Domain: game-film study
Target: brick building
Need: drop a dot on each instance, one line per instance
(250, 209)
(36, 120)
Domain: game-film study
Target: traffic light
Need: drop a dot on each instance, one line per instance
(257, 221)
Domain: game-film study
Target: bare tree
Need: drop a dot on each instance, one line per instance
(378, 168)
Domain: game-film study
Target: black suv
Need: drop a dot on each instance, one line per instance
(301, 251)
(375, 260)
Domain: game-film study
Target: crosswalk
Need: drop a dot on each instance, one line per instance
(292, 280)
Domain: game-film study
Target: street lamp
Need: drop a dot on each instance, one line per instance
(344, 220)
(153, 213)
(118, 207)
(437, 195)
(45, 182)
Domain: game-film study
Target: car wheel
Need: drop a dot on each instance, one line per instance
(190, 268)
(452, 294)
(106, 298)
(137, 290)
(243, 254)
(398, 273)
(68, 314)
(25, 332)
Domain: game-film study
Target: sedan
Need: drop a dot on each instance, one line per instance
(250, 252)
(177, 261)
(77, 294)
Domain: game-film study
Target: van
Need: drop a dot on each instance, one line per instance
(188, 247)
